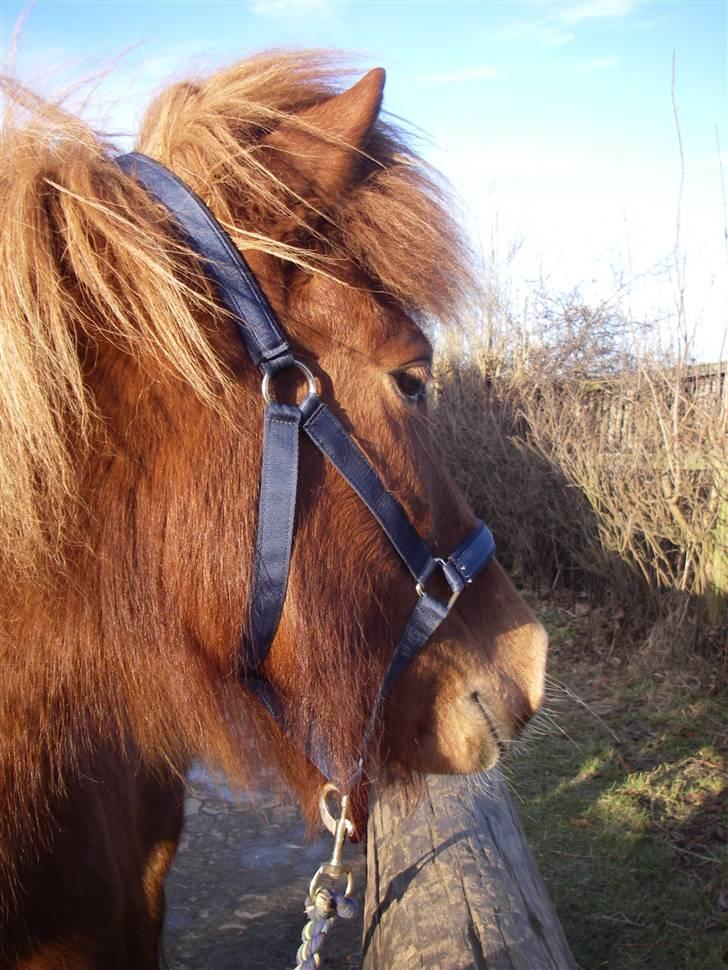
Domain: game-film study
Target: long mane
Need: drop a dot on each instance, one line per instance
(83, 250)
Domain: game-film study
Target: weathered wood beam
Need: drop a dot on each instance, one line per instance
(452, 884)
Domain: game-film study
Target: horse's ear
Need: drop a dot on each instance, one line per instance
(326, 141)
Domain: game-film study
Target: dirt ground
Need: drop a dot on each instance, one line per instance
(236, 891)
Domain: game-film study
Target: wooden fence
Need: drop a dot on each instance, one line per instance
(617, 403)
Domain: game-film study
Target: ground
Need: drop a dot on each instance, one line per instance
(236, 893)
(623, 793)
(622, 788)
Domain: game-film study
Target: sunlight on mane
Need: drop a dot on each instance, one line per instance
(86, 258)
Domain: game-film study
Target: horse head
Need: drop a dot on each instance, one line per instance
(148, 434)
(352, 282)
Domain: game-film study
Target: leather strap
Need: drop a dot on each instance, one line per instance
(426, 617)
(473, 553)
(237, 287)
(331, 438)
(276, 514)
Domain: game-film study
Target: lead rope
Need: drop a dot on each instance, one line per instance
(324, 903)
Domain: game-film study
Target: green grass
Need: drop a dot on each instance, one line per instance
(626, 809)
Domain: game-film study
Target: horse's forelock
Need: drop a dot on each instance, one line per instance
(394, 224)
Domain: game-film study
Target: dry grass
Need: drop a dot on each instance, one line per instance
(621, 786)
(602, 467)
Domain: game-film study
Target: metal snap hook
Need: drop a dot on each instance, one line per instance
(340, 827)
(330, 820)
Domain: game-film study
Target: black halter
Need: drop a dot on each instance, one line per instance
(270, 352)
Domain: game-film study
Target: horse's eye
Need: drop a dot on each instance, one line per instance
(412, 383)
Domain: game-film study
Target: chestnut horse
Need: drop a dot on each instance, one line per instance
(131, 451)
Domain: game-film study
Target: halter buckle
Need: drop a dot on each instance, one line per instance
(311, 380)
(452, 578)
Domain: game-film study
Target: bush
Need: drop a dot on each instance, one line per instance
(601, 466)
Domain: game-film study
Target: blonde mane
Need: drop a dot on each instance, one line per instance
(86, 258)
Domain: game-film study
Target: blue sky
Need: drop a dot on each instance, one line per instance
(553, 119)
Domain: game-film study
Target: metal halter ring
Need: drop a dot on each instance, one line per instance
(265, 386)
(455, 590)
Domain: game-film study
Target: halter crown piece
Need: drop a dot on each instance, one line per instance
(283, 424)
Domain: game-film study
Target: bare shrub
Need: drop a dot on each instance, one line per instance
(601, 465)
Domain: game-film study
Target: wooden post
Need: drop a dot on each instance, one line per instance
(452, 884)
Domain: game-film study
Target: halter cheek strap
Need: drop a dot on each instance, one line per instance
(283, 425)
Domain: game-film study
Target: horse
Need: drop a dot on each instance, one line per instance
(131, 452)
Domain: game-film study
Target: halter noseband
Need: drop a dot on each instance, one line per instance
(269, 350)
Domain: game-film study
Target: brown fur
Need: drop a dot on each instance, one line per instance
(130, 459)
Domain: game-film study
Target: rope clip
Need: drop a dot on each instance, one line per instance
(339, 827)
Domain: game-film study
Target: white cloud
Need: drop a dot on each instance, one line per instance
(556, 25)
(574, 13)
(482, 72)
(291, 9)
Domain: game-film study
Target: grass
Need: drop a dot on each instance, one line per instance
(625, 804)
